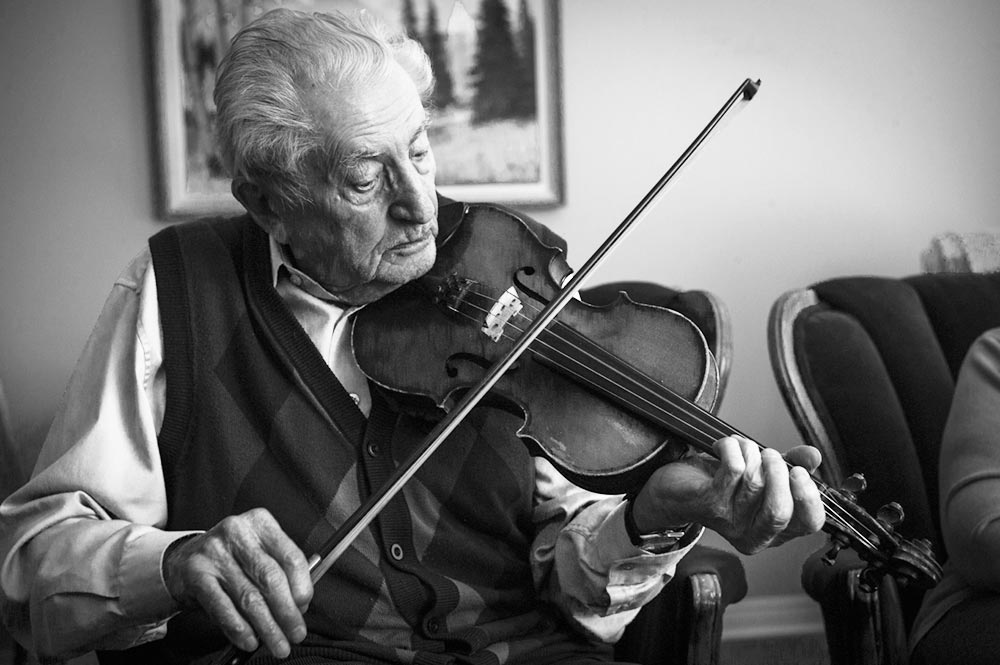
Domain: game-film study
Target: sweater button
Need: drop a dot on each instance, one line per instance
(433, 625)
(373, 449)
(396, 551)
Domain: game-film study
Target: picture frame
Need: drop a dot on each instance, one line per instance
(514, 159)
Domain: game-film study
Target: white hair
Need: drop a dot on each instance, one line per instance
(264, 128)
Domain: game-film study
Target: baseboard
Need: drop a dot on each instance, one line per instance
(772, 616)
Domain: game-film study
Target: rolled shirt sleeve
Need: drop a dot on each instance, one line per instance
(82, 541)
(584, 561)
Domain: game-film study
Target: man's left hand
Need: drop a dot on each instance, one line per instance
(755, 498)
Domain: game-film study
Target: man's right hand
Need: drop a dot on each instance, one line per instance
(250, 578)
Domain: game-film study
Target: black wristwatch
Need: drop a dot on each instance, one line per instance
(658, 542)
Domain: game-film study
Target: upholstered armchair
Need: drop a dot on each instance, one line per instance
(683, 625)
(867, 368)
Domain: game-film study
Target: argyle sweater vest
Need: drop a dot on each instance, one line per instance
(255, 418)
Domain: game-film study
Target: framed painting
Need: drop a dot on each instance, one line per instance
(496, 123)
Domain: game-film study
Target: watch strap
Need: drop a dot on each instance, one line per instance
(657, 542)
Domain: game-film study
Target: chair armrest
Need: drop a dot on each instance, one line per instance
(862, 627)
(683, 624)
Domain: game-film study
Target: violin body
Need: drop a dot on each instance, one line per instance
(427, 339)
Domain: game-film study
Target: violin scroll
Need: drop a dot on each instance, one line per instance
(875, 539)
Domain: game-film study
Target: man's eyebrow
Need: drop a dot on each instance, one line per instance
(355, 157)
(352, 159)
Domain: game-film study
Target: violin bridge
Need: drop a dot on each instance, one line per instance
(506, 307)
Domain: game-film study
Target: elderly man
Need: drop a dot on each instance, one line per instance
(218, 428)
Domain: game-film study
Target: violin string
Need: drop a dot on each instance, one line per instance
(701, 419)
(703, 427)
(693, 412)
(834, 509)
(712, 430)
(698, 419)
(697, 416)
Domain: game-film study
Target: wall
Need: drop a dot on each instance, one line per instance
(873, 131)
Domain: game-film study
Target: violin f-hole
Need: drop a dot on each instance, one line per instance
(522, 285)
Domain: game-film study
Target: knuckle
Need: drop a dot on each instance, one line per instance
(214, 547)
(259, 516)
(250, 602)
(229, 528)
(201, 586)
(776, 525)
(230, 522)
(269, 578)
(735, 468)
(292, 557)
(754, 484)
(234, 626)
(778, 518)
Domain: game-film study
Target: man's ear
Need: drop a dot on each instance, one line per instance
(258, 204)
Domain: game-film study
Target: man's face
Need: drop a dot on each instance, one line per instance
(373, 222)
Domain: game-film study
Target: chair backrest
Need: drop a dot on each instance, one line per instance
(867, 368)
(706, 310)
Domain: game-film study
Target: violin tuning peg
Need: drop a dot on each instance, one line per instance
(891, 514)
(838, 541)
(870, 579)
(854, 484)
(830, 557)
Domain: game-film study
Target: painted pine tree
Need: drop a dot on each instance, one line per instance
(437, 51)
(497, 72)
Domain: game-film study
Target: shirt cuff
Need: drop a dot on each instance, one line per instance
(143, 592)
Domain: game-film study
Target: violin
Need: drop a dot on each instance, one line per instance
(495, 321)
(608, 394)
(596, 375)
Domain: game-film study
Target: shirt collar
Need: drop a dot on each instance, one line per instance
(281, 265)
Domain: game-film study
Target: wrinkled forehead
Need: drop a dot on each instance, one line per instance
(378, 114)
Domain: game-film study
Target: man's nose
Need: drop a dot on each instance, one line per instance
(415, 202)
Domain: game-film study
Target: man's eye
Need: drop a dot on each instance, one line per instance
(364, 184)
